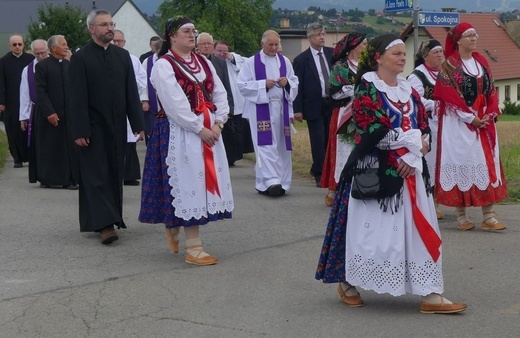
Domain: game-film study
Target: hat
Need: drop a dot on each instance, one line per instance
(173, 24)
(454, 35)
(346, 44)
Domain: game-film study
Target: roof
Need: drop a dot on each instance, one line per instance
(22, 11)
(494, 43)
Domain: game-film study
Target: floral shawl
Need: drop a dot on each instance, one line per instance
(374, 127)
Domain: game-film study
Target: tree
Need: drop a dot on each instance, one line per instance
(69, 21)
(239, 22)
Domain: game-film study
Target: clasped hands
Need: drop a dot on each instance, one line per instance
(481, 123)
(281, 82)
(210, 136)
(404, 169)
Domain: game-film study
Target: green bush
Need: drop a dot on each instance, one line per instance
(510, 108)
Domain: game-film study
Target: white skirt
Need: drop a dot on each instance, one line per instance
(384, 251)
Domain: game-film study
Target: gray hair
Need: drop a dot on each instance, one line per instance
(53, 41)
(119, 31)
(94, 14)
(37, 41)
(270, 32)
(314, 26)
(204, 34)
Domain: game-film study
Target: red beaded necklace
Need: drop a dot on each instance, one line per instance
(466, 70)
(433, 73)
(192, 65)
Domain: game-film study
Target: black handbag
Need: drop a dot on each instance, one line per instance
(365, 184)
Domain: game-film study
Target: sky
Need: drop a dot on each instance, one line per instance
(150, 6)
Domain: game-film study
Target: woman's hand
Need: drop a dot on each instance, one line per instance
(481, 123)
(425, 145)
(208, 136)
(404, 170)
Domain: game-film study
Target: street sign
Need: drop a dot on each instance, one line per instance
(398, 5)
(439, 19)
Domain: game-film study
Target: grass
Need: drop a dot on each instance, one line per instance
(507, 128)
(4, 149)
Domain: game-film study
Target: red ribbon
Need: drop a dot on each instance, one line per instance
(430, 238)
(487, 137)
(209, 164)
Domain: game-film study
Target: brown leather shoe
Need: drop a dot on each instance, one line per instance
(442, 308)
(108, 235)
(493, 226)
(200, 261)
(329, 198)
(353, 301)
(468, 225)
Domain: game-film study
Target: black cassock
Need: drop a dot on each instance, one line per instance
(56, 157)
(103, 92)
(11, 68)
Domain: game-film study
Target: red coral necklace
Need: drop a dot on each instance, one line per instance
(193, 64)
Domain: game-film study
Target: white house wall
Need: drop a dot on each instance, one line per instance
(137, 30)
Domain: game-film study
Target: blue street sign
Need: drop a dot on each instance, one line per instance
(398, 5)
(439, 19)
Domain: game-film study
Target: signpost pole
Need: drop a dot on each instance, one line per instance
(416, 26)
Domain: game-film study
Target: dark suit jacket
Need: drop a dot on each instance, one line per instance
(222, 72)
(309, 99)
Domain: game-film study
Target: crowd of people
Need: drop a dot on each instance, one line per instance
(388, 149)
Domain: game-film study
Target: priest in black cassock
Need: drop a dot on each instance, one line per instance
(103, 93)
(11, 67)
(56, 159)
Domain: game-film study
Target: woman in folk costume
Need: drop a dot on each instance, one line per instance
(428, 61)
(186, 179)
(391, 240)
(341, 88)
(469, 171)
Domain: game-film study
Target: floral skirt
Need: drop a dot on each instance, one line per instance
(156, 198)
(331, 265)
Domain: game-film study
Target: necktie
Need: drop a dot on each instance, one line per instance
(324, 72)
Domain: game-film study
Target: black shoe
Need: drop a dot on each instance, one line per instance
(131, 182)
(71, 187)
(43, 185)
(318, 181)
(275, 190)
(18, 165)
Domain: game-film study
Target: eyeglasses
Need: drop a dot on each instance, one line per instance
(15, 44)
(206, 43)
(106, 24)
(118, 41)
(190, 32)
(319, 34)
(40, 53)
(470, 36)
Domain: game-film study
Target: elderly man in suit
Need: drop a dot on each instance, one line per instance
(312, 67)
(205, 46)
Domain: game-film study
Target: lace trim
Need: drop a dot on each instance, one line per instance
(386, 276)
(466, 176)
(402, 93)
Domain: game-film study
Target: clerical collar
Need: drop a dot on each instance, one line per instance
(17, 56)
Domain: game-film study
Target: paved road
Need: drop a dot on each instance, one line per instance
(58, 282)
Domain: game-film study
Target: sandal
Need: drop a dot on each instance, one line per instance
(353, 301)
(196, 259)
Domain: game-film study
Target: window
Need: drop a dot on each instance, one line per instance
(518, 92)
(507, 92)
(498, 92)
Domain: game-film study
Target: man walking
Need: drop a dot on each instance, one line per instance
(312, 67)
(11, 67)
(103, 95)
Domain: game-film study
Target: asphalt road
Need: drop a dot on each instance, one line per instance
(58, 282)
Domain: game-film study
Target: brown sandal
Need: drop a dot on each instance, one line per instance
(353, 301)
(200, 261)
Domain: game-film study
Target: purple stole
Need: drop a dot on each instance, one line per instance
(263, 119)
(32, 96)
(152, 96)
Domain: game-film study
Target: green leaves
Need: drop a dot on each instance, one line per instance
(239, 22)
(69, 21)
